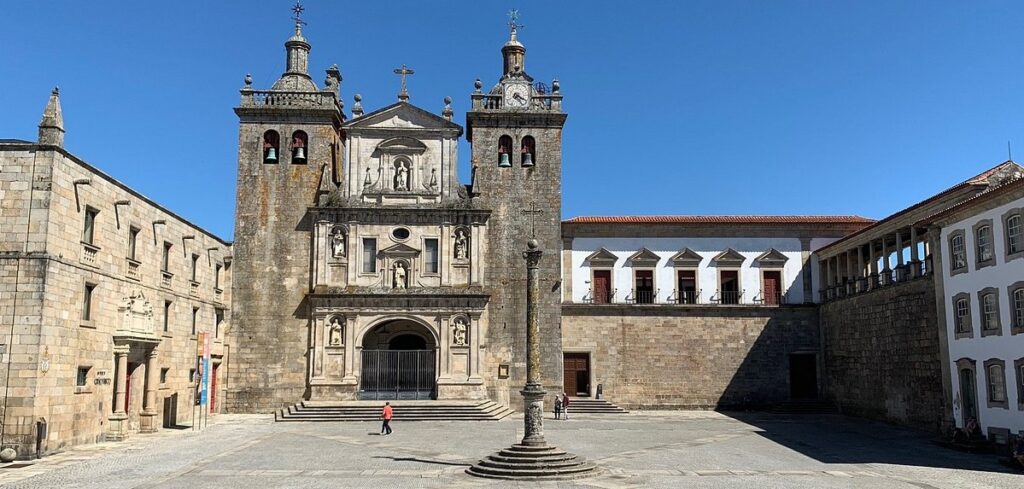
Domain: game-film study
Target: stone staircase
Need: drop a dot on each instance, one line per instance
(323, 411)
(587, 405)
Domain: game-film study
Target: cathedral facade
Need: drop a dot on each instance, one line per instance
(391, 279)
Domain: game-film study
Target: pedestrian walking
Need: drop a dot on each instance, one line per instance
(388, 413)
(558, 407)
(565, 406)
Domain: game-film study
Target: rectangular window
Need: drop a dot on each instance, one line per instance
(87, 302)
(959, 256)
(82, 380)
(989, 311)
(217, 322)
(963, 314)
(195, 266)
(431, 255)
(195, 319)
(191, 375)
(133, 239)
(165, 260)
(996, 384)
(369, 255)
(1018, 308)
(89, 230)
(163, 375)
(1014, 239)
(167, 316)
(984, 242)
(216, 276)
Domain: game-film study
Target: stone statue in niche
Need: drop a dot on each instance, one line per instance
(334, 333)
(402, 176)
(459, 329)
(461, 245)
(338, 243)
(400, 276)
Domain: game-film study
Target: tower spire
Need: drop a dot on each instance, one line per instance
(513, 53)
(51, 128)
(296, 72)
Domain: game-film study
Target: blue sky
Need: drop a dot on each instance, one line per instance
(682, 107)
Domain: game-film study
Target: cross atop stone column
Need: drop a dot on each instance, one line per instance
(532, 212)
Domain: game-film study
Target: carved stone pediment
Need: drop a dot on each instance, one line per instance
(401, 145)
(729, 258)
(686, 258)
(400, 250)
(402, 116)
(602, 258)
(771, 258)
(136, 318)
(644, 258)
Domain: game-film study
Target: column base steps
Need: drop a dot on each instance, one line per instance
(587, 405)
(324, 411)
(522, 462)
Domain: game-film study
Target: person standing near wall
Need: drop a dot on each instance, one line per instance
(565, 406)
(386, 415)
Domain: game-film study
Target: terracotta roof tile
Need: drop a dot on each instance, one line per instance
(719, 219)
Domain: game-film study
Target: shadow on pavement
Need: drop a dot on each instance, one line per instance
(425, 461)
(837, 439)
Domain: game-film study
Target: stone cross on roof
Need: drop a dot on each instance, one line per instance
(403, 71)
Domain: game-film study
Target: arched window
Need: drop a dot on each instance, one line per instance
(528, 151)
(300, 148)
(271, 147)
(504, 151)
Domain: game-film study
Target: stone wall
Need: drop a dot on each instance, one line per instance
(881, 353)
(699, 357)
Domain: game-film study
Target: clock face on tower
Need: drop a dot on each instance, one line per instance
(517, 95)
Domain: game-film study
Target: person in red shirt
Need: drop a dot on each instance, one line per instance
(386, 416)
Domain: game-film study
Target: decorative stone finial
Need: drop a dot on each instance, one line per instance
(555, 86)
(447, 112)
(248, 80)
(357, 108)
(478, 84)
(533, 244)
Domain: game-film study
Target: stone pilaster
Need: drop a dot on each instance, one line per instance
(148, 418)
(117, 426)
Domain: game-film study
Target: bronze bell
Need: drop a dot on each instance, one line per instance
(527, 159)
(504, 162)
(300, 153)
(271, 154)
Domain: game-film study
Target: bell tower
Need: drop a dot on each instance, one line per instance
(515, 131)
(289, 153)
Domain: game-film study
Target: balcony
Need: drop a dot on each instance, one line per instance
(548, 102)
(193, 288)
(218, 294)
(165, 279)
(89, 252)
(132, 269)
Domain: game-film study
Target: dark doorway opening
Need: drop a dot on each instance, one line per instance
(687, 287)
(398, 362)
(967, 394)
(576, 370)
(730, 283)
(644, 286)
(803, 376)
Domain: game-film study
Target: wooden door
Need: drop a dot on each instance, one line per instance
(213, 389)
(602, 283)
(772, 288)
(576, 374)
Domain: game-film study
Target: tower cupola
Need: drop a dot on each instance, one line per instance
(296, 74)
(513, 52)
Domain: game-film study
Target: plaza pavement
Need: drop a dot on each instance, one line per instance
(652, 449)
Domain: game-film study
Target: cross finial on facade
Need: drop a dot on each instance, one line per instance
(297, 10)
(403, 72)
(532, 212)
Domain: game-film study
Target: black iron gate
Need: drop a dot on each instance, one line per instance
(397, 374)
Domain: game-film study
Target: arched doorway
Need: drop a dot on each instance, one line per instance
(398, 362)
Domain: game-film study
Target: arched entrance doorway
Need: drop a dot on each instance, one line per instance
(398, 362)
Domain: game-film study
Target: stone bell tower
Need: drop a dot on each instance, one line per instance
(289, 153)
(516, 136)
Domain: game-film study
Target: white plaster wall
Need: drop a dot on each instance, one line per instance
(707, 274)
(1007, 347)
